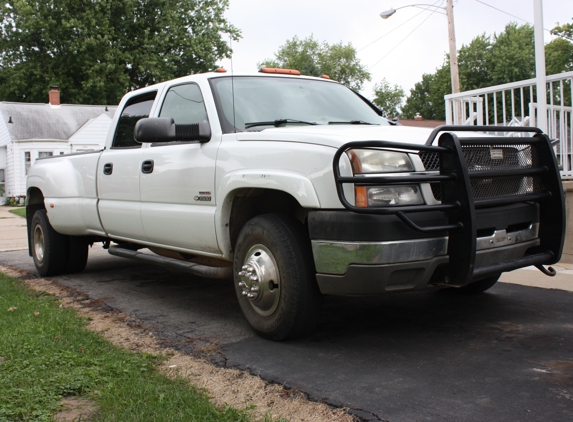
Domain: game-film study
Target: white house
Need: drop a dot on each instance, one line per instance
(29, 131)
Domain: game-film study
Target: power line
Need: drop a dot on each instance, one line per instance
(513, 16)
(502, 11)
(398, 27)
(403, 39)
(388, 33)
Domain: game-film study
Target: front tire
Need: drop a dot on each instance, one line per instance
(274, 277)
(49, 248)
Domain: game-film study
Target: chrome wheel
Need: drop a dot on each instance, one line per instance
(39, 243)
(260, 280)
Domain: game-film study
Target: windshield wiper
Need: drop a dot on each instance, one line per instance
(277, 123)
(351, 122)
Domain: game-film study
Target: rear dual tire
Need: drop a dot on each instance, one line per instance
(55, 253)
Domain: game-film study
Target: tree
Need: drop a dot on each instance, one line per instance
(559, 52)
(388, 98)
(475, 61)
(485, 61)
(96, 51)
(565, 31)
(313, 58)
(513, 54)
(427, 96)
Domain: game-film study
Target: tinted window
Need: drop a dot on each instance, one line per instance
(243, 100)
(185, 104)
(137, 108)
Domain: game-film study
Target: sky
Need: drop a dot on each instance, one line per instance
(401, 48)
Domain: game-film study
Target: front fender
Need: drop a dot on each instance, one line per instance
(296, 185)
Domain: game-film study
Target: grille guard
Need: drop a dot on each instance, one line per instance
(459, 204)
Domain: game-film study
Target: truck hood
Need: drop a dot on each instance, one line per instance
(337, 135)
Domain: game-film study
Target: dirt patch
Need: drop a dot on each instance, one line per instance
(75, 409)
(224, 386)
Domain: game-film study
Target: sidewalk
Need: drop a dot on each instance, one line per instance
(13, 232)
(13, 237)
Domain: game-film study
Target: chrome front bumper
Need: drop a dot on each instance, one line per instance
(334, 257)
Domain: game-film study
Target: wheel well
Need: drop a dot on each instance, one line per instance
(248, 203)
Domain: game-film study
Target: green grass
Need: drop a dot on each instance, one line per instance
(51, 354)
(19, 211)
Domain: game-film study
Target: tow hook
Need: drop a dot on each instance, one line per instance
(547, 271)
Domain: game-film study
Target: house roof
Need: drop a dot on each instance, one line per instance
(43, 121)
(422, 123)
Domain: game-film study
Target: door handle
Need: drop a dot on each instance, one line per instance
(147, 166)
(108, 168)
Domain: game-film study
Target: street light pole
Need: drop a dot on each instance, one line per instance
(449, 9)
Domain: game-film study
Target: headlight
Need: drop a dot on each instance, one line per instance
(380, 196)
(379, 161)
(368, 161)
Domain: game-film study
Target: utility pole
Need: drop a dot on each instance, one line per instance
(453, 52)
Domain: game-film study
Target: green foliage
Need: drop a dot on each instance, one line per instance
(513, 54)
(96, 51)
(565, 31)
(313, 58)
(474, 61)
(487, 61)
(427, 96)
(559, 56)
(46, 353)
(388, 98)
(19, 211)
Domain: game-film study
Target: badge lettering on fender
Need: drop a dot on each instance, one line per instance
(203, 197)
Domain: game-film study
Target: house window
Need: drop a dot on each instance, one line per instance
(27, 161)
(2, 182)
(42, 154)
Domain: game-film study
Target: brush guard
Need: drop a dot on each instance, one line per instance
(459, 203)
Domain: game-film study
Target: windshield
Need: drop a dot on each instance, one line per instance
(269, 101)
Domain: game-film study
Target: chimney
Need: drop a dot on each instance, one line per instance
(418, 117)
(54, 95)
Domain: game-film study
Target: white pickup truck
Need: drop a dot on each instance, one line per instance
(296, 187)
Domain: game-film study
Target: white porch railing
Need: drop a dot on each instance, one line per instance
(515, 104)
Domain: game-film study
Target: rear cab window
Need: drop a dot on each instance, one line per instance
(136, 108)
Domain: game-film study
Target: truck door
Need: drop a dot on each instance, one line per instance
(177, 180)
(118, 174)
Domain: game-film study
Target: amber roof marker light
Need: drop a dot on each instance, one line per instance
(279, 71)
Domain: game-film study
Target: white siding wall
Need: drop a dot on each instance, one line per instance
(92, 135)
(4, 141)
(10, 180)
(3, 165)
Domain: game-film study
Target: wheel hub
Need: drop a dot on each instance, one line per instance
(260, 280)
(39, 243)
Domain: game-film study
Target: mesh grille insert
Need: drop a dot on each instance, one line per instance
(493, 157)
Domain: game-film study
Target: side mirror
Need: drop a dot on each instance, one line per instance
(164, 129)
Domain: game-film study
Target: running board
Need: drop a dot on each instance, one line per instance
(174, 264)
